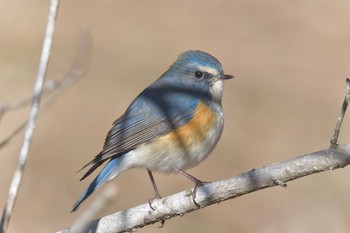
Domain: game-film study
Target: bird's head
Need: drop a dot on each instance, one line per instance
(200, 72)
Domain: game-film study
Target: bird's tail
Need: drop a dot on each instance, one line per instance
(100, 179)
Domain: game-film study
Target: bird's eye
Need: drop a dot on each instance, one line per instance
(198, 74)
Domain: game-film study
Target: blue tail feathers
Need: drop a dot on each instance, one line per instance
(98, 181)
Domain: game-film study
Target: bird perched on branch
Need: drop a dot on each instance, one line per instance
(173, 125)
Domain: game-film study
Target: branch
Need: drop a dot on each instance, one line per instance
(334, 157)
(44, 60)
(181, 203)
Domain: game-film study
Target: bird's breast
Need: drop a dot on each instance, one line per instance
(185, 146)
(196, 131)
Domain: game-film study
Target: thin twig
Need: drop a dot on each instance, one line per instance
(44, 60)
(77, 71)
(346, 101)
(13, 134)
(49, 86)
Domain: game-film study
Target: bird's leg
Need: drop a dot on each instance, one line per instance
(156, 192)
(197, 182)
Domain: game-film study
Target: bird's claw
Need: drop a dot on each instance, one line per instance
(198, 183)
(151, 201)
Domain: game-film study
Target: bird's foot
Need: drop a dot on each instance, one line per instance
(156, 192)
(152, 199)
(198, 184)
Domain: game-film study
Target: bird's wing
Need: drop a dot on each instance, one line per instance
(140, 125)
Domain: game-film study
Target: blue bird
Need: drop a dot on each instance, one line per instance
(173, 125)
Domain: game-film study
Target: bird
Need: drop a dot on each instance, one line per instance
(171, 126)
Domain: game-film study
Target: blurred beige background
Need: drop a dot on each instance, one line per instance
(290, 59)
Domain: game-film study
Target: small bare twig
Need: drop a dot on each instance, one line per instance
(346, 101)
(49, 86)
(44, 60)
(56, 88)
(19, 128)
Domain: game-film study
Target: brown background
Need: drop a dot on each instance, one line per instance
(290, 59)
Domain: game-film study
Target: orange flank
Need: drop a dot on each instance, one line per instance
(195, 131)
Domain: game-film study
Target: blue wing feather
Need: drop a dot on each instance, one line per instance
(154, 112)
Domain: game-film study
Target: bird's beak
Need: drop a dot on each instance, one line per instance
(224, 76)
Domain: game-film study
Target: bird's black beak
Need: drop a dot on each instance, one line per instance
(225, 76)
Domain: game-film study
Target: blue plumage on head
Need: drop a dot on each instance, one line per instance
(199, 58)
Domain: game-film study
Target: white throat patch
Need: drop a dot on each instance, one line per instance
(216, 89)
